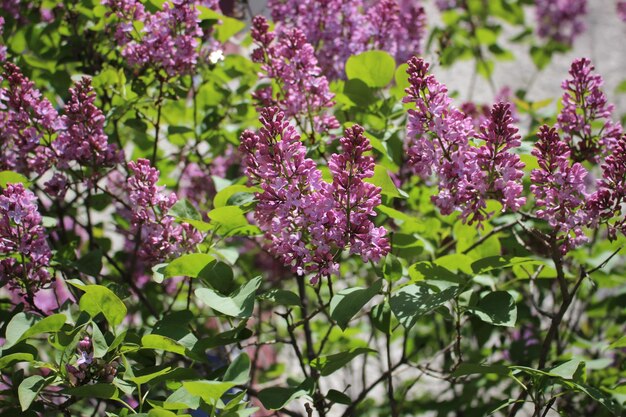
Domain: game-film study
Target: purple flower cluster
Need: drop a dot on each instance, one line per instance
(3, 48)
(606, 203)
(196, 184)
(480, 113)
(307, 221)
(559, 189)
(23, 246)
(13, 8)
(584, 105)
(82, 139)
(397, 28)
(439, 144)
(444, 5)
(355, 199)
(560, 20)
(154, 234)
(501, 169)
(290, 61)
(26, 120)
(621, 10)
(339, 29)
(168, 40)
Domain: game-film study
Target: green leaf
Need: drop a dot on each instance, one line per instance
(281, 297)
(541, 57)
(90, 263)
(338, 397)
(160, 412)
(146, 375)
(381, 317)
(222, 198)
(456, 263)
(498, 262)
(28, 390)
(98, 299)
(227, 26)
(382, 179)
(181, 399)
(104, 391)
(486, 36)
(603, 398)
(275, 398)
(346, 303)
(10, 177)
(190, 265)
(13, 358)
(359, 93)
(239, 304)
(619, 343)
(184, 210)
(573, 369)
(239, 370)
(219, 275)
(374, 68)
(326, 365)
(497, 308)
(23, 325)
(231, 221)
(413, 301)
(401, 76)
(209, 391)
(428, 271)
(100, 347)
(157, 341)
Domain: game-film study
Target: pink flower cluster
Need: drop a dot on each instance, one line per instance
(307, 221)
(584, 105)
(26, 120)
(23, 247)
(559, 189)
(560, 20)
(339, 29)
(155, 236)
(168, 39)
(439, 144)
(82, 139)
(290, 61)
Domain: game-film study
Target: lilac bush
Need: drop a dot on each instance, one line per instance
(206, 212)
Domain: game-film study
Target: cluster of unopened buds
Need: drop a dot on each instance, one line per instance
(87, 368)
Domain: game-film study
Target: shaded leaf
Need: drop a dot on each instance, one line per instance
(346, 303)
(497, 308)
(413, 301)
(326, 365)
